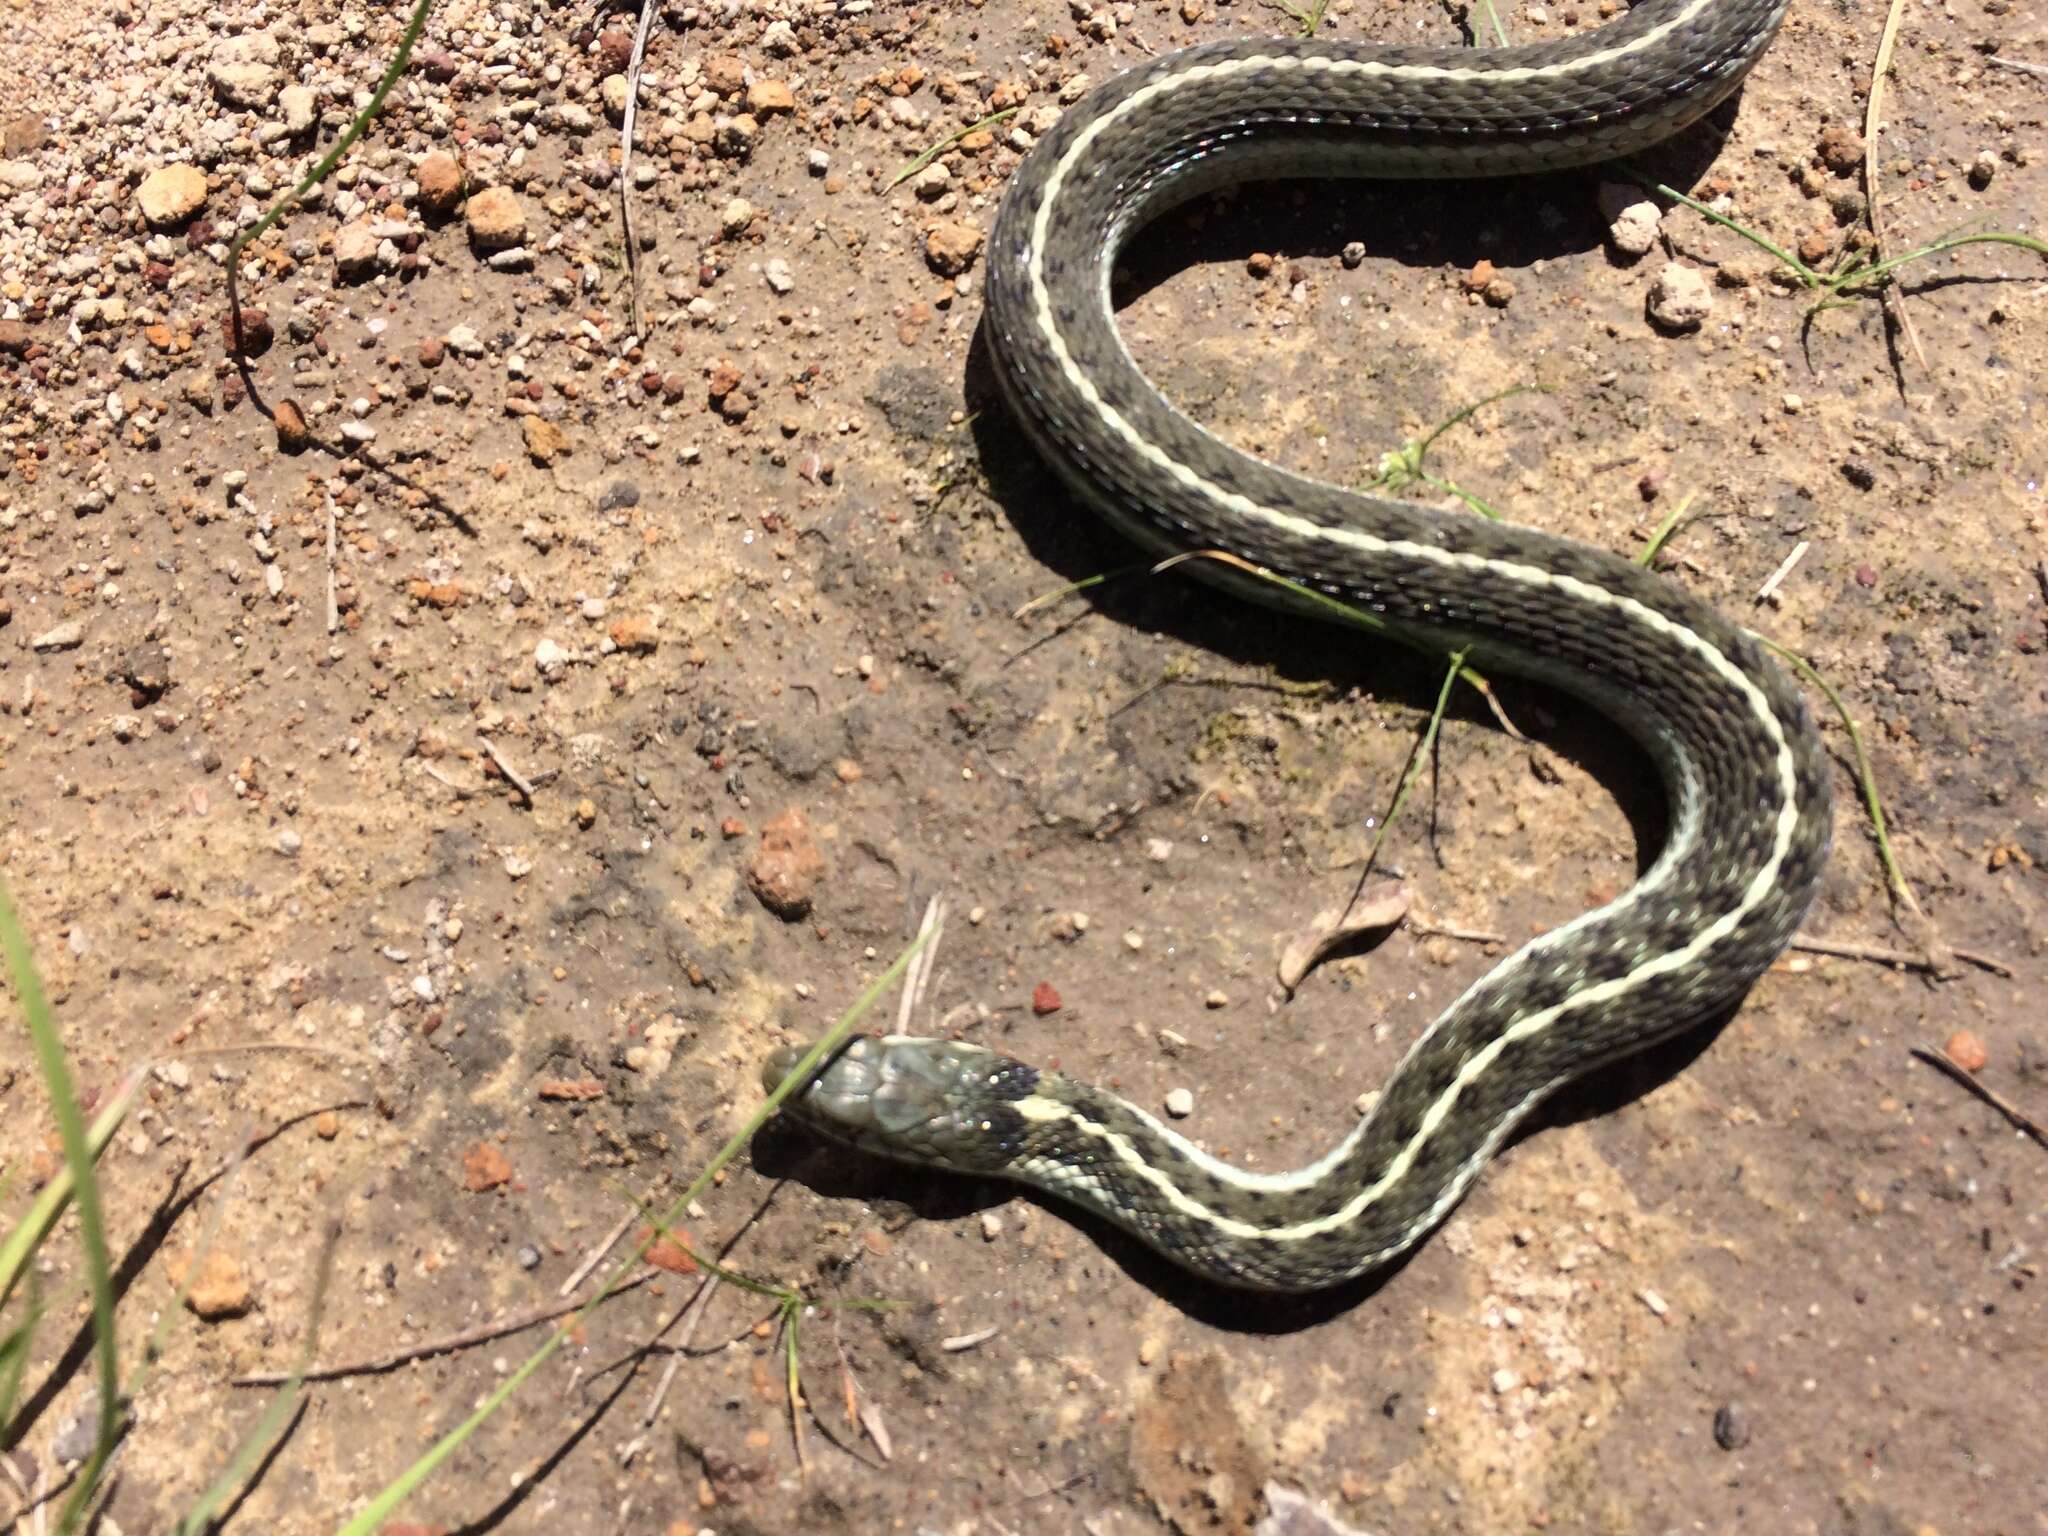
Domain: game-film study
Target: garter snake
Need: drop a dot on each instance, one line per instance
(1742, 768)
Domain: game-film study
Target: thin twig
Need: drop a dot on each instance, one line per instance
(1465, 935)
(469, 1338)
(693, 1315)
(590, 1260)
(524, 785)
(1933, 964)
(1880, 67)
(2040, 70)
(1945, 1063)
(919, 976)
(626, 164)
(333, 604)
(1769, 590)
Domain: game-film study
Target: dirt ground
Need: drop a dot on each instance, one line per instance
(767, 560)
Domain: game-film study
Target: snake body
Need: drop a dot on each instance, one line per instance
(1742, 768)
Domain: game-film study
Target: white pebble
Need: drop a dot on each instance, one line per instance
(1180, 1103)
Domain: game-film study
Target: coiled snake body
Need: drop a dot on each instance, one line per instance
(1742, 768)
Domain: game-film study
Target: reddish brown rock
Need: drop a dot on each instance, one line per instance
(950, 247)
(219, 1291)
(786, 868)
(484, 1167)
(440, 178)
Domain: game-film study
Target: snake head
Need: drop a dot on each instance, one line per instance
(937, 1102)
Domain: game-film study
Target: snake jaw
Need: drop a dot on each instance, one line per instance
(919, 1100)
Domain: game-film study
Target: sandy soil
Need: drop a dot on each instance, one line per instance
(766, 561)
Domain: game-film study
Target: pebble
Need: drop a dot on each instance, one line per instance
(1045, 999)
(1967, 1051)
(297, 104)
(1679, 299)
(288, 841)
(950, 247)
(1180, 1103)
(78, 1433)
(787, 868)
(496, 219)
(1504, 1382)
(440, 180)
(171, 194)
(61, 637)
(1731, 1427)
(777, 275)
(1632, 219)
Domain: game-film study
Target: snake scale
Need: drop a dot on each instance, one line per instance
(1743, 771)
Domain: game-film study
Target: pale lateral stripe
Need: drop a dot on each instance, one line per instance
(1527, 575)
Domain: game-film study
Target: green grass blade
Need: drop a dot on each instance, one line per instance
(78, 1159)
(328, 161)
(14, 1351)
(276, 1415)
(400, 1488)
(21, 1243)
(938, 149)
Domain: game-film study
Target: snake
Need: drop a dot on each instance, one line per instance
(1742, 768)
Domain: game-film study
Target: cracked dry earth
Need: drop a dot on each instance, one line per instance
(735, 601)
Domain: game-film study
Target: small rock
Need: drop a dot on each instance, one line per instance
(1632, 219)
(440, 179)
(297, 103)
(484, 1167)
(635, 635)
(248, 87)
(733, 138)
(549, 658)
(1859, 474)
(355, 250)
(738, 214)
(614, 91)
(1353, 254)
(765, 98)
(293, 435)
(1982, 169)
(787, 866)
(725, 74)
(1044, 999)
(496, 219)
(1504, 1381)
(545, 442)
(78, 1434)
(67, 636)
(288, 841)
(256, 333)
(171, 194)
(15, 338)
(777, 275)
(1967, 1051)
(1731, 1427)
(1680, 299)
(950, 247)
(464, 342)
(1841, 149)
(1180, 1103)
(219, 1291)
(23, 135)
(614, 50)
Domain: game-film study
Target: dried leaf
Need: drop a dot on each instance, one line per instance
(1377, 907)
